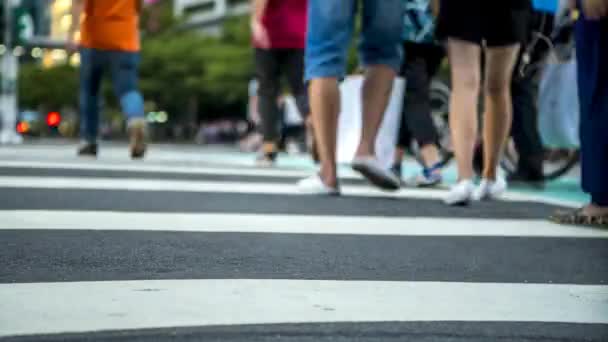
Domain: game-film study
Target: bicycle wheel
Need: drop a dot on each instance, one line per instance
(552, 169)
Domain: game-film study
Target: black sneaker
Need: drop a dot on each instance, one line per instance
(88, 150)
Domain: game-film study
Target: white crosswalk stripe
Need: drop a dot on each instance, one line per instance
(94, 306)
(289, 224)
(96, 248)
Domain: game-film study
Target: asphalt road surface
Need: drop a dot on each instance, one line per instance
(187, 246)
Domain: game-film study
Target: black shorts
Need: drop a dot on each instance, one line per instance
(495, 22)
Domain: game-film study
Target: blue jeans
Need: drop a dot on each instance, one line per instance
(123, 70)
(330, 28)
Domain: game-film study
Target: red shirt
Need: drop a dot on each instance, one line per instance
(285, 21)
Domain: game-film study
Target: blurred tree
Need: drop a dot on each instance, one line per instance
(195, 76)
(191, 76)
(50, 88)
(157, 17)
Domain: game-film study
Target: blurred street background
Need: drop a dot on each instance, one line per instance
(197, 243)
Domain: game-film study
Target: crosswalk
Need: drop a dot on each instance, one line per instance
(115, 250)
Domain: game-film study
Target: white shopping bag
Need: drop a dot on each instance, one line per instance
(350, 122)
(558, 106)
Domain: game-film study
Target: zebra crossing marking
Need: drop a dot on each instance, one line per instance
(150, 168)
(286, 224)
(87, 183)
(47, 308)
(44, 308)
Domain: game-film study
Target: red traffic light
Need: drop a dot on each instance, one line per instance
(23, 127)
(53, 119)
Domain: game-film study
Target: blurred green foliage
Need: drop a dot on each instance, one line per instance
(190, 75)
(50, 88)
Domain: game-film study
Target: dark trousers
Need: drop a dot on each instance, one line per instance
(592, 57)
(528, 143)
(524, 92)
(271, 64)
(420, 65)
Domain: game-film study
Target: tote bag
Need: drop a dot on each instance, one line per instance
(350, 122)
(558, 106)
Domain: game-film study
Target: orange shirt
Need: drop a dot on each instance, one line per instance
(111, 25)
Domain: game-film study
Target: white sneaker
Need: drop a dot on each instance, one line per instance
(461, 193)
(371, 169)
(490, 190)
(314, 185)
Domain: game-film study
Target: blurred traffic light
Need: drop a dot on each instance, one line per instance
(53, 119)
(23, 127)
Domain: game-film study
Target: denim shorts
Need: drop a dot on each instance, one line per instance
(330, 28)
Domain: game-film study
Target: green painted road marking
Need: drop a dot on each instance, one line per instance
(567, 189)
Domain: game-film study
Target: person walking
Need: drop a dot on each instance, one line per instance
(331, 24)
(496, 30)
(524, 89)
(592, 62)
(279, 29)
(423, 57)
(109, 39)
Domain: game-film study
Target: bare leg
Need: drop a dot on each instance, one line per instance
(465, 61)
(498, 105)
(376, 91)
(325, 107)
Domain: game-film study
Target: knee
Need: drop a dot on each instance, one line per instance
(467, 83)
(497, 87)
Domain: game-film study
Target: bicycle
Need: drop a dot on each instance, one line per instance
(440, 109)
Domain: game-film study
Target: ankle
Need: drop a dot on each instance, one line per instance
(364, 151)
(489, 175)
(269, 147)
(465, 176)
(329, 177)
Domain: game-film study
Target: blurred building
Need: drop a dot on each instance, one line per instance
(39, 10)
(207, 15)
(60, 21)
(37, 16)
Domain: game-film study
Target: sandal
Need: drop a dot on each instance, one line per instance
(578, 217)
